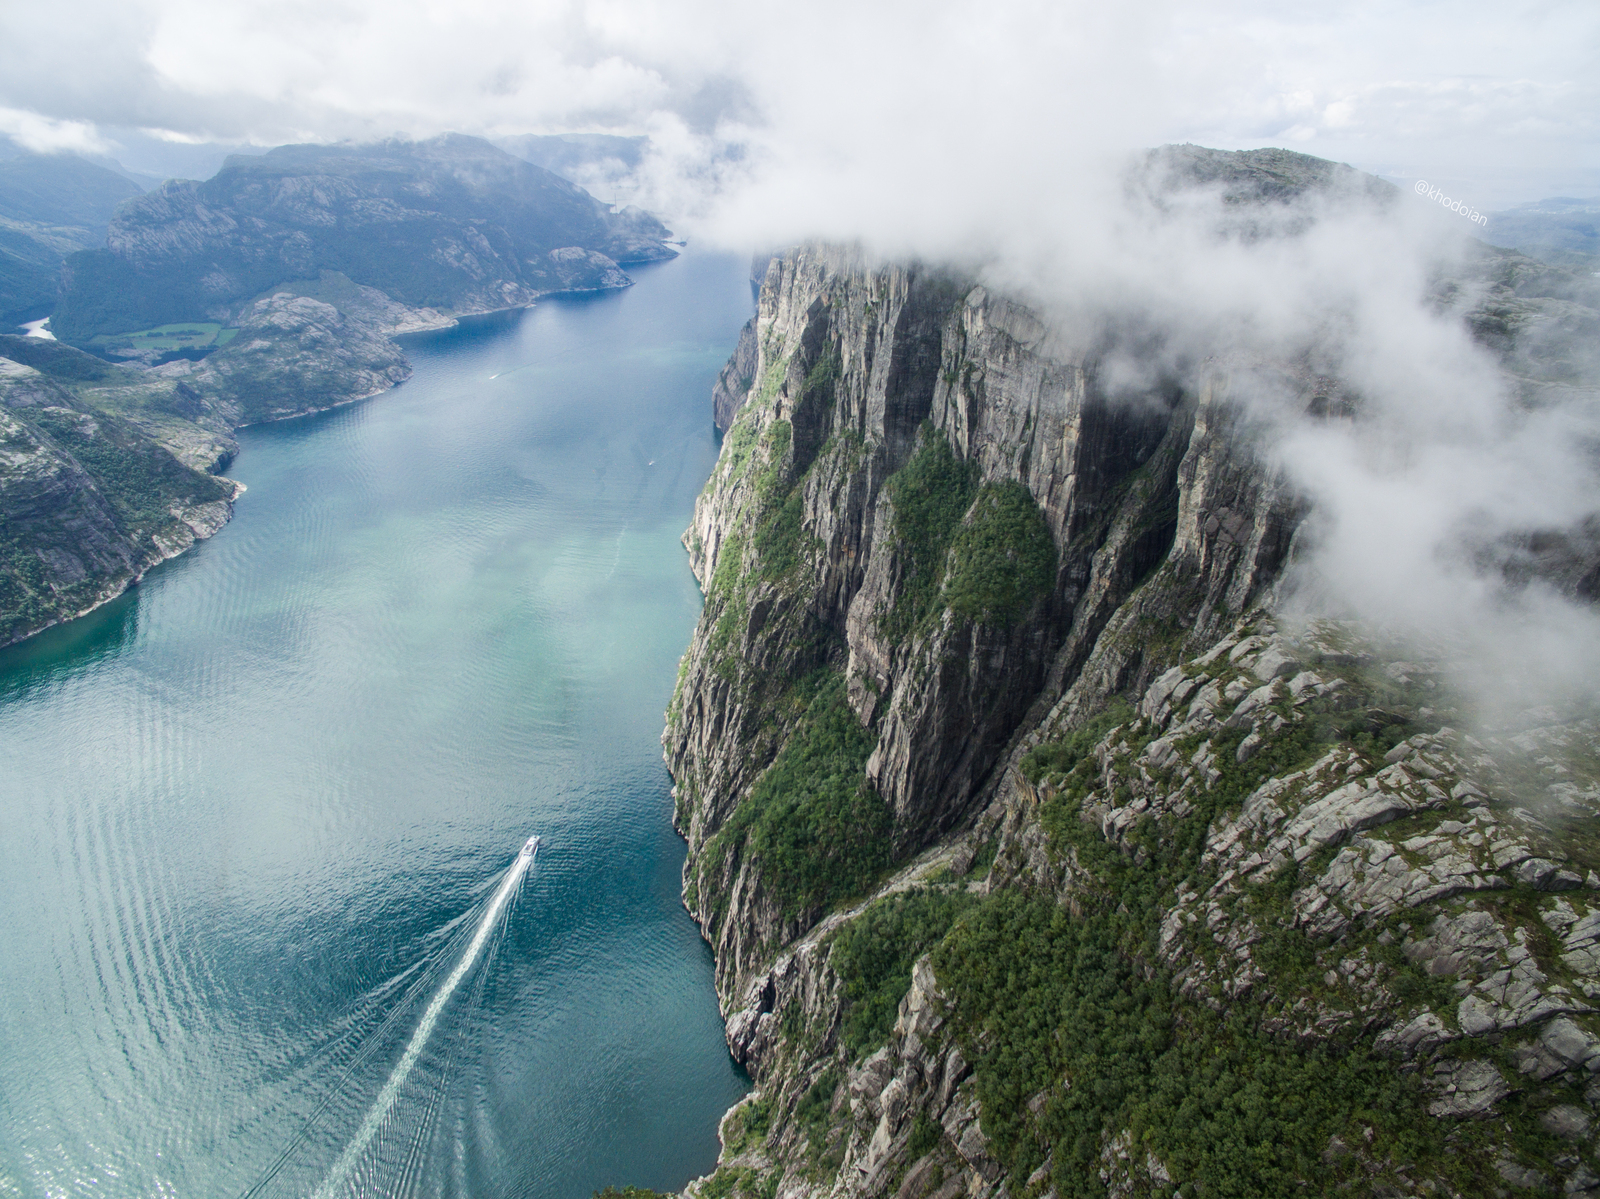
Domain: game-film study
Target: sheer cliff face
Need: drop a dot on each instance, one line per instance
(856, 371)
(1018, 820)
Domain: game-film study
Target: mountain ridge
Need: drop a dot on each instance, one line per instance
(272, 290)
(452, 224)
(51, 205)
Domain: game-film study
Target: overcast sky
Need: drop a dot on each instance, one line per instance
(1499, 103)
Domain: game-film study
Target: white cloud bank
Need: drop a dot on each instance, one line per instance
(997, 132)
(1497, 101)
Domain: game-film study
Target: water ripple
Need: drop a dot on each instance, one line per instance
(250, 809)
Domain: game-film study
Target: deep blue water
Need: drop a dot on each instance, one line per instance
(251, 811)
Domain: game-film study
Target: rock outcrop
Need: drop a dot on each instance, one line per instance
(1038, 856)
(853, 363)
(293, 355)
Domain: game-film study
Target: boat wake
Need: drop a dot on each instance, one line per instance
(339, 1176)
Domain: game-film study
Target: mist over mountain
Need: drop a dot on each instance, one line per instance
(1142, 727)
(585, 158)
(51, 205)
(1561, 229)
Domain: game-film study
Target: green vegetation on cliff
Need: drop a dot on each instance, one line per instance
(91, 486)
(778, 506)
(985, 553)
(1003, 559)
(873, 955)
(1216, 1085)
(1231, 1110)
(820, 834)
(928, 495)
(141, 480)
(84, 499)
(1063, 755)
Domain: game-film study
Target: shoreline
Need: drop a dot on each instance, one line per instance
(164, 551)
(438, 322)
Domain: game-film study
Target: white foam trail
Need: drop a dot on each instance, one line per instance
(391, 1089)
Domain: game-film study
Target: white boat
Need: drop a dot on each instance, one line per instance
(530, 848)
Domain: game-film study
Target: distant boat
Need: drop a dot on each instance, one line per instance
(530, 848)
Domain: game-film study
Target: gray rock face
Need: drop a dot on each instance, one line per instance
(293, 355)
(851, 360)
(1440, 889)
(735, 379)
(1430, 918)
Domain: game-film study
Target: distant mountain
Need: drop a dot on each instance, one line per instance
(1248, 178)
(451, 224)
(61, 189)
(1563, 230)
(51, 205)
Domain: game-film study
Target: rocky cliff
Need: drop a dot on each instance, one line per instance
(928, 501)
(1038, 856)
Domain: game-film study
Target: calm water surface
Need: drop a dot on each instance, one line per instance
(251, 814)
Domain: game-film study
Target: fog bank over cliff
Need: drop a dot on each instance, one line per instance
(1450, 473)
(1453, 478)
(1494, 104)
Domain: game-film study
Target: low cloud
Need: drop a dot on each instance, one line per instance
(1444, 92)
(1000, 136)
(44, 135)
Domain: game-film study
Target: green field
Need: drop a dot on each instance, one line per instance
(185, 335)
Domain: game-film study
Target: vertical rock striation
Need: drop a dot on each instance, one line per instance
(939, 559)
(856, 369)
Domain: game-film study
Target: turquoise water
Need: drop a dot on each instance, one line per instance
(252, 813)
